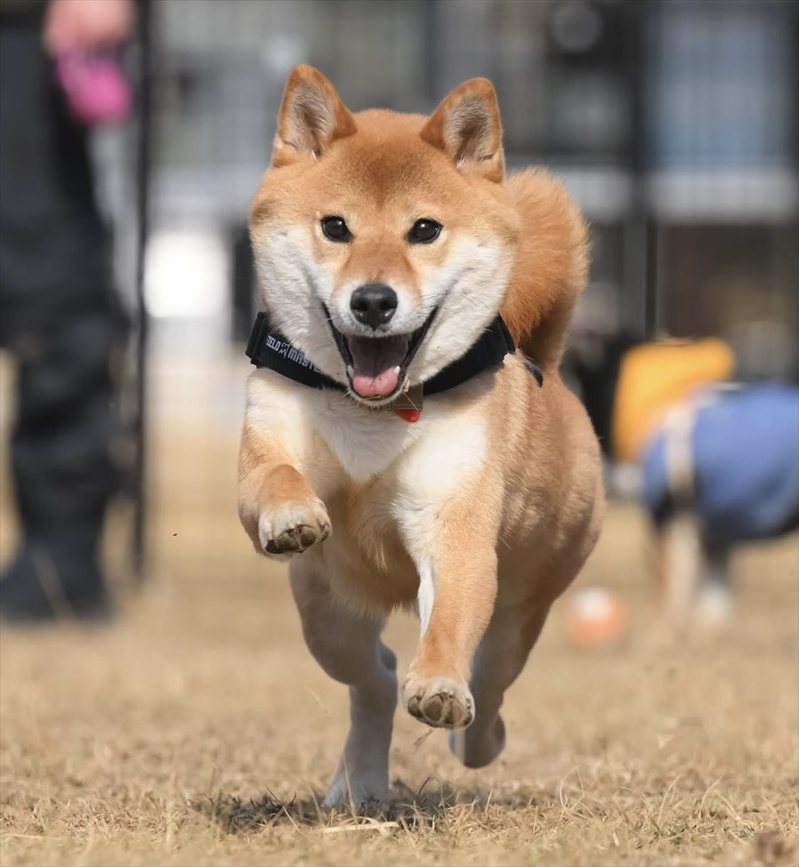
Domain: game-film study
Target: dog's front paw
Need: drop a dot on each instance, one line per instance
(443, 702)
(292, 527)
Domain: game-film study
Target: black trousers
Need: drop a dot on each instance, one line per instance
(59, 315)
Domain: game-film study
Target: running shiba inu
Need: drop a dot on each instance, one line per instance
(392, 437)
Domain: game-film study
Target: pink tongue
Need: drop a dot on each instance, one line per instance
(374, 364)
(375, 386)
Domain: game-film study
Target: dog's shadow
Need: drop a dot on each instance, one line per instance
(408, 809)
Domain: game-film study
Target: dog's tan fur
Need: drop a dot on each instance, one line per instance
(485, 509)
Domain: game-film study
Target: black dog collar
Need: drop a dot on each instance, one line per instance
(267, 347)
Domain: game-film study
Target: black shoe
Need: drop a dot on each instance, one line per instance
(54, 579)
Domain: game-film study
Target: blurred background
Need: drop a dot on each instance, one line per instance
(673, 124)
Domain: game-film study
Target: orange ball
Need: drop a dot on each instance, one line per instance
(595, 617)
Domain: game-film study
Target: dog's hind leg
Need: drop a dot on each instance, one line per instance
(714, 608)
(348, 648)
(498, 661)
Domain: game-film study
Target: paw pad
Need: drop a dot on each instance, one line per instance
(443, 705)
(296, 539)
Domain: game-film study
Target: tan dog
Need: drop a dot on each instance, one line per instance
(385, 245)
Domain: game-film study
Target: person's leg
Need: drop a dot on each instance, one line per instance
(61, 322)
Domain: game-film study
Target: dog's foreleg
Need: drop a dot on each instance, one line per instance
(680, 567)
(348, 648)
(277, 505)
(457, 564)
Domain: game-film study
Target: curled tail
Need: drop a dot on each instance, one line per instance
(551, 268)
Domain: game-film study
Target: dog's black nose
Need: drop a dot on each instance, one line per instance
(374, 304)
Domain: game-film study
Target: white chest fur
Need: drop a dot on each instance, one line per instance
(427, 457)
(437, 451)
(365, 442)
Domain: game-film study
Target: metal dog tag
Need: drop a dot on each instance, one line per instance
(411, 398)
(408, 405)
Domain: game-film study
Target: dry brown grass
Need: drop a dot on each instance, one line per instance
(198, 730)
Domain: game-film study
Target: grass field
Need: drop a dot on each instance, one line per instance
(198, 731)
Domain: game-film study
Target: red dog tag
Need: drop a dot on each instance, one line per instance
(408, 405)
(410, 415)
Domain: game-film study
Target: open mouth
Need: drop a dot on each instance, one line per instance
(377, 366)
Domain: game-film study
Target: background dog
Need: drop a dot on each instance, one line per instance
(717, 461)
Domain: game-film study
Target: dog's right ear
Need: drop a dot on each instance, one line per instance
(312, 116)
(466, 126)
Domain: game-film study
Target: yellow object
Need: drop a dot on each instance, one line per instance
(653, 376)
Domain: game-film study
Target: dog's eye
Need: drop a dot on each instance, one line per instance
(424, 231)
(335, 229)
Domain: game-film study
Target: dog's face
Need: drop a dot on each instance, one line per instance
(384, 242)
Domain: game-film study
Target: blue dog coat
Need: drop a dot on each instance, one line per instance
(745, 454)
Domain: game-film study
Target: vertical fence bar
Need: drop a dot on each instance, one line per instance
(143, 154)
(641, 230)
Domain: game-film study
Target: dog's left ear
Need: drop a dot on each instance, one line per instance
(467, 126)
(312, 116)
